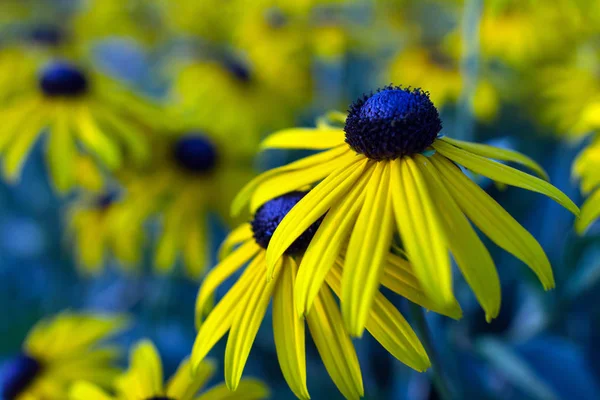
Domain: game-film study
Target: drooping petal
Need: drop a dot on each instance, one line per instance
(497, 153)
(247, 191)
(326, 245)
(248, 389)
(388, 327)
(61, 153)
(145, 370)
(222, 271)
(196, 247)
(470, 253)
(288, 330)
(95, 140)
(235, 237)
(295, 180)
(504, 174)
(590, 211)
(334, 345)
(398, 276)
(246, 321)
(494, 221)
(367, 249)
(220, 319)
(304, 138)
(420, 227)
(185, 383)
(311, 208)
(21, 144)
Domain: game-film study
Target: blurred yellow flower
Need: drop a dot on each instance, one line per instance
(59, 351)
(144, 380)
(587, 168)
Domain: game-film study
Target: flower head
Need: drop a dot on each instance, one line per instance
(243, 308)
(372, 182)
(59, 351)
(392, 123)
(144, 381)
(195, 153)
(63, 79)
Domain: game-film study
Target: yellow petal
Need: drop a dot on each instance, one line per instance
(326, 245)
(185, 383)
(504, 174)
(398, 276)
(590, 211)
(494, 221)
(304, 138)
(61, 153)
(222, 271)
(237, 236)
(87, 391)
(247, 191)
(389, 327)
(21, 145)
(420, 227)
(248, 389)
(14, 118)
(295, 180)
(196, 247)
(146, 367)
(288, 330)
(367, 249)
(95, 140)
(246, 321)
(496, 153)
(334, 345)
(470, 254)
(311, 208)
(221, 317)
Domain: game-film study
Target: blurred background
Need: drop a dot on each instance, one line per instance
(514, 74)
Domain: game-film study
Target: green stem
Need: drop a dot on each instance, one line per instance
(439, 381)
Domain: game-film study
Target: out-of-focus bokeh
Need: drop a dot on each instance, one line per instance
(127, 222)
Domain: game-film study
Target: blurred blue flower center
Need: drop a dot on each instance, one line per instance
(237, 68)
(195, 153)
(47, 35)
(392, 123)
(160, 398)
(270, 214)
(21, 371)
(63, 79)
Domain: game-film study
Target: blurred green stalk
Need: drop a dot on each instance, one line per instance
(469, 69)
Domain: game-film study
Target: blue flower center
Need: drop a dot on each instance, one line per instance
(195, 153)
(47, 35)
(105, 200)
(392, 123)
(20, 373)
(270, 214)
(160, 398)
(237, 68)
(63, 79)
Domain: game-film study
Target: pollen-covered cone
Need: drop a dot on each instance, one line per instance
(387, 171)
(144, 381)
(61, 350)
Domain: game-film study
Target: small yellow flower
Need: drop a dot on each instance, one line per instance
(144, 381)
(242, 310)
(388, 171)
(79, 112)
(59, 351)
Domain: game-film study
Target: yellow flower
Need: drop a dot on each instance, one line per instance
(79, 112)
(587, 168)
(388, 171)
(98, 225)
(144, 381)
(242, 310)
(193, 173)
(59, 351)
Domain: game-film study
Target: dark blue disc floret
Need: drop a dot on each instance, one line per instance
(46, 35)
(63, 79)
(237, 68)
(20, 373)
(270, 214)
(195, 153)
(160, 398)
(392, 123)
